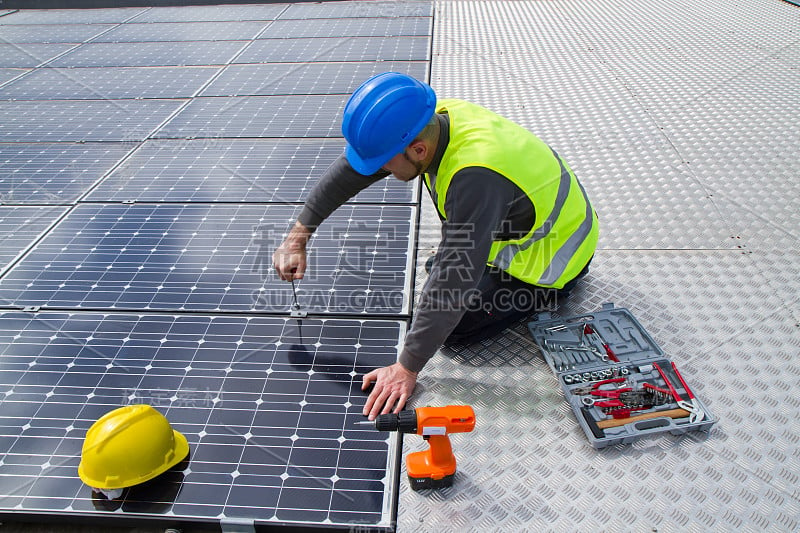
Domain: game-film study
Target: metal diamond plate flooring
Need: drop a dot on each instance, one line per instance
(680, 120)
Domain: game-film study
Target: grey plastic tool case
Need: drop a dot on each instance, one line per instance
(564, 344)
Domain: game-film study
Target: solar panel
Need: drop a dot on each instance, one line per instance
(150, 54)
(82, 120)
(268, 406)
(108, 83)
(183, 31)
(20, 227)
(30, 54)
(53, 173)
(7, 74)
(311, 78)
(358, 9)
(258, 116)
(71, 16)
(44, 33)
(210, 13)
(233, 170)
(409, 48)
(197, 257)
(355, 27)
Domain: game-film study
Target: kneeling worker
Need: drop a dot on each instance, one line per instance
(518, 229)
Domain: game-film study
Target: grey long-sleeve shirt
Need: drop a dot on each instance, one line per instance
(481, 206)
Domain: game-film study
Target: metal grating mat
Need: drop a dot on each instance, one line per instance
(677, 119)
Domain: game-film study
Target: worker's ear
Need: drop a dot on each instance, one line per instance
(419, 148)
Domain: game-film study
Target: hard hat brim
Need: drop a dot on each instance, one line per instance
(366, 167)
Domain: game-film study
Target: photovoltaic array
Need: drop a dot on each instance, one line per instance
(151, 159)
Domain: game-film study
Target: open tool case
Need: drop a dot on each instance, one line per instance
(616, 378)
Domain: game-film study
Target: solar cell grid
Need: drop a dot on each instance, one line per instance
(233, 170)
(305, 50)
(358, 9)
(8, 74)
(71, 16)
(298, 78)
(150, 54)
(29, 55)
(19, 229)
(258, 116)
(355, 27)
(44, 33)
(53, 173)
(211, 13)
(183, 31)
(267, 405)
(82, 120)
(215, 258)
(108, 83)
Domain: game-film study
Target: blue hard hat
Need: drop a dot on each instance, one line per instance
(382, 117)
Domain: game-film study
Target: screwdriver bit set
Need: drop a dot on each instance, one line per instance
(616, 378)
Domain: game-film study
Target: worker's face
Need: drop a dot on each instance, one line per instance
(404, 165)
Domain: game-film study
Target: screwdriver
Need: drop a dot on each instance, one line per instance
(587, 329)
(296, 312)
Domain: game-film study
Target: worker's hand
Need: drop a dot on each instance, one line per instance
(289, 259)
(393, 385)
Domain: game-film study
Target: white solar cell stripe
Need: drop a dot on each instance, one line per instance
(296, 79)
(406, 48)
(108, 83)
(234, 170)
(53, 173)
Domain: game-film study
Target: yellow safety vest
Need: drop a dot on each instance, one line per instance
(564, 236)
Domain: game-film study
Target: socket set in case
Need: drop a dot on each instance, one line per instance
(616, 377)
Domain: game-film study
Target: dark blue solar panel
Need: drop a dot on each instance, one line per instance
(268, 406)
(234, 170)
(311, 78)
(20, 227)
(43, 33)
(108, 83)
(389, 9)
(258, 116)
(8, 74)
(353, 27)
(54, 173)
(150, 54)
(71, 16)
(210, 13)
(82, 120)
(183, 31)
(215, 258)
(31, 54)
(409, 48)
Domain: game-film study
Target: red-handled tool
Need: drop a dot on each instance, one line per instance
(587, 330)
(697, 413)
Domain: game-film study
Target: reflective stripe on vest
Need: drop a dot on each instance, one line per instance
(565, 235)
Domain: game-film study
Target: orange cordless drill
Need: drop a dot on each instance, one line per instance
(435, 467)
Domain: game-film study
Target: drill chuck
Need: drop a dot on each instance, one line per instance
(404, 422)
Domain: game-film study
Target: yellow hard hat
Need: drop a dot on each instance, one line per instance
(128, 446)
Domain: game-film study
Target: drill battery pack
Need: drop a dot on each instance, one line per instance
(616, 378)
